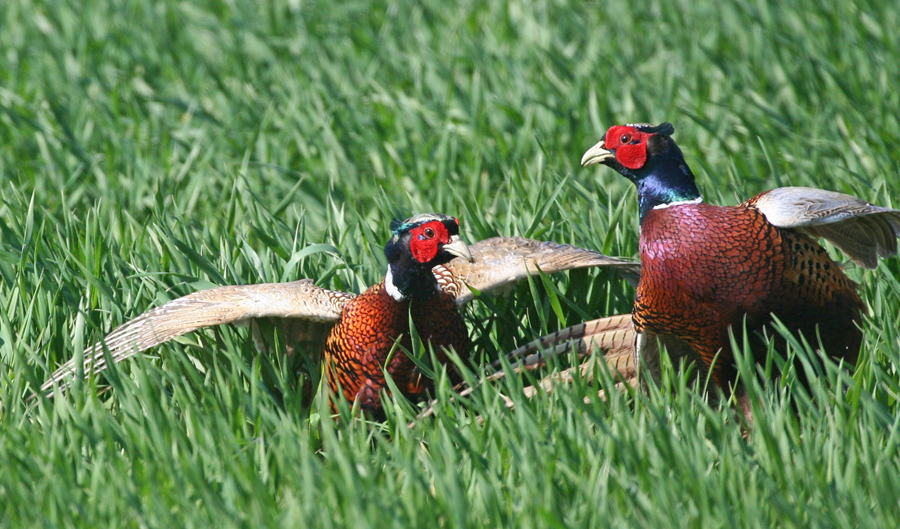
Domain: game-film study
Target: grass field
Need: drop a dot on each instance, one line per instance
(151, 149)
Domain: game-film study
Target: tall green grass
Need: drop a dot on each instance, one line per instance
(151, 149)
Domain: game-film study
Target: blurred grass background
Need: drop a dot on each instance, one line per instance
(151, 149)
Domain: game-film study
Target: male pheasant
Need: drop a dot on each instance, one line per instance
(706, 269)
(421, 281)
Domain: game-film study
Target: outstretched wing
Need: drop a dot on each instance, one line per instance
(863, 231)
(500, 261)
(295, 300)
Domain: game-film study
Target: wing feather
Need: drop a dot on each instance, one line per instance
(229, 304)
(501, 261)
(862, 230)
(498, 262)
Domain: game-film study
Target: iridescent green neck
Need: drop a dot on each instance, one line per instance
(667, 182)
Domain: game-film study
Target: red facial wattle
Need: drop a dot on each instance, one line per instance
(629, 144)
(426, 240)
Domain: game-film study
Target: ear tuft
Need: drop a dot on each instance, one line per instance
(663, 129)
(666, 129)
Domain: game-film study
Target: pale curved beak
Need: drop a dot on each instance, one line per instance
(596, 154)
(457, 247)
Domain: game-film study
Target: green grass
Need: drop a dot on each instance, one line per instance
(151, 149)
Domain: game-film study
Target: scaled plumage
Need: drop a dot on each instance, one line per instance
(358, 347)
(707, 269)
(358, 331)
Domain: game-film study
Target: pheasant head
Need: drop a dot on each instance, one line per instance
(417, 245)
(648, 156)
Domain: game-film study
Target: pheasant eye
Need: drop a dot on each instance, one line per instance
(626, 138)
(428, 232)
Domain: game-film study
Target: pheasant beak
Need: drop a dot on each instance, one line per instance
(457, 247)
(596, 154)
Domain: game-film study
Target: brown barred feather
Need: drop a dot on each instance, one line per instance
(706, 268)
(358, 346)
(709, 273)
(216, 306)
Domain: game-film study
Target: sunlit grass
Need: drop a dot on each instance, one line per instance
(151, 149)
